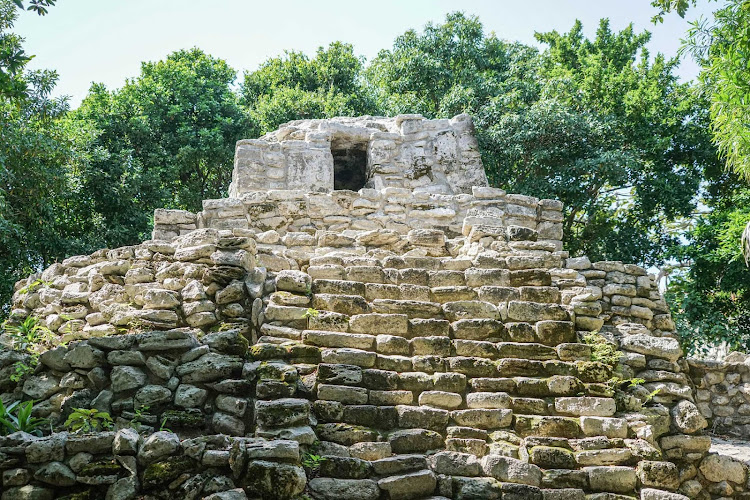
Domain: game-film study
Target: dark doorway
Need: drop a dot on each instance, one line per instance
(349, 165)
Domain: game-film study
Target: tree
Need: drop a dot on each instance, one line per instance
(293, 87)
(13, 59)
(166, 140)
(710, 296)
(40, 220)
(620, 142)
(722, 48)
(449, 68)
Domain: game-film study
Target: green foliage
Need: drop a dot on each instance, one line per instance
(312, 461)
(294, 87)
(722, 47)
(166, 139)
(602, 350)
(13, 59)
(88, 420)
(710, 295)
(723, 50)
(138, 417)
(311, 313)
(29, 335)
(17, 417)
(38, 6)
(31, 338)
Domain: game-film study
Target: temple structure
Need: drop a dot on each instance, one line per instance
(363, 318)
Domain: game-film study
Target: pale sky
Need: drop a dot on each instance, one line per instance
(106, 40)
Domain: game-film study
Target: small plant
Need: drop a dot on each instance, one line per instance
(33, 286)
(88, 420)
(651, 395)
(22, 369)
(312, 461)
(601, 350)
(163, 426)
(17, 417)
(311, 313)
(30, 337)
(137, 421)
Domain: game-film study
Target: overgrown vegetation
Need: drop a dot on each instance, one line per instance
(88, 420)
(17, 417)
(29, 337)
(627, 391)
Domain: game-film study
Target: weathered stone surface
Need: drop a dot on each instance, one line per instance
(586, 406)
(653, 494)
(717, 468)
(337, 489)
(55, 474)
(413, 485)
(687, 418)
(158, 445)
(274, 480)
(511, 470)
(126, 442)
(661, 347)
(658, 474)
(615, 479)
(455, 464)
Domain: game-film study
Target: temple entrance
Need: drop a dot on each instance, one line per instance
(349, 164)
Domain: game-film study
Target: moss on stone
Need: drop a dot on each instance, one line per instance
(593, 371)
(166, 470)
(276, 371)
(192, 417)
(101, 468)
(260, 352)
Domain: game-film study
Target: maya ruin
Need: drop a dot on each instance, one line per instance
(364, 318)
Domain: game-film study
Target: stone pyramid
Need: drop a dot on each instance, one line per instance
(363, 318)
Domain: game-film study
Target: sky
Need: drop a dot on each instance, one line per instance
(105, 41)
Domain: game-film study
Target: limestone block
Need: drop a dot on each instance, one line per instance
(336, 489)
(511, 470)
(662, 347)
(586, 406)
(412, 485)
(717, 468)
(617, 479)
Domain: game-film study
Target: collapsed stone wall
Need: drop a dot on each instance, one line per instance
(446, 358)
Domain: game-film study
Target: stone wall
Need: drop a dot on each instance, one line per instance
(723, 394)
(407, 151)
(350, 213)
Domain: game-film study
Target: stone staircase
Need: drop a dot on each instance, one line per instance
(464, 378)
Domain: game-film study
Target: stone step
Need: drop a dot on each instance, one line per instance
(342, 287)
(412, 308)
